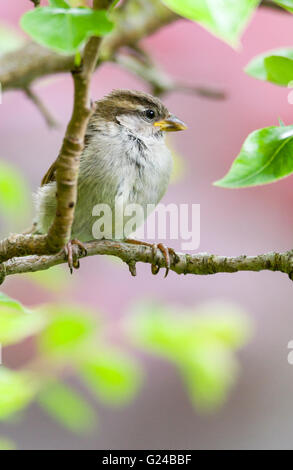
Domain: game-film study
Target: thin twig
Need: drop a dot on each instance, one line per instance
(138, 62)
(198, 264)
(50, 120)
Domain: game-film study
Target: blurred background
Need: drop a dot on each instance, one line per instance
(160, 412)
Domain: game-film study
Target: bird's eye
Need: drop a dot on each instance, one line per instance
(150, 114)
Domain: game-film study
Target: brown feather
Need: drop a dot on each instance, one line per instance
(50, 175)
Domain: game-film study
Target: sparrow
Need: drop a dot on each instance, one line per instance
(125, 160)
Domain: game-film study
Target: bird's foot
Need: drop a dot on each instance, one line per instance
(73, 249)
(166, 252)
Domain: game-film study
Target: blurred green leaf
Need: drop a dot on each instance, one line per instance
(58, 4)
(209, 373)
(179, 165)
(14, 193)
(286, 4)
(6, 302)
(279, 70)
(68, 330)
(67, 407)
(112, 378)
(154, 327)
(266, 156)
(6, 444)
(223, 321)
(10, 39)
(172, 333)
(17, 390)
(258, 66)
(17, 322)
(225, 19)
(54, 279)
(200, 343)
(65, 29)
(77, 3)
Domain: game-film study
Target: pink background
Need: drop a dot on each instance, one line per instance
(259, 411)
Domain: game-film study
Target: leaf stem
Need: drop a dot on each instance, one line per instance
(77, 59)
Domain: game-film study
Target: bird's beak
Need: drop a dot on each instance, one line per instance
(171, 124)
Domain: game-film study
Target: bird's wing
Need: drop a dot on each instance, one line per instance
(50, 175)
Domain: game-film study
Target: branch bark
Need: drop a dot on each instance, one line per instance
(67, 164)
(198, 264)
(136, 20)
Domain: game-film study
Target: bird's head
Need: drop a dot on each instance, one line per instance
(138, 112)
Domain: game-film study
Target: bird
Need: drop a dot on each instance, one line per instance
(125, 160)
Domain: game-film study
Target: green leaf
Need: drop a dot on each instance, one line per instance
(286, 4)
(172, 333)
(266, 156)
(17, 390)
(279, 70)
(65, 29)
(67, 407)
(225, 19)
(67, 332)
(54, 279)
(6, 301)
(17, 322)
(59, 4)
(156, 328)
(209, 373)
(6, 444)
(223, 322)
(263, 69)
(14, 193)
(179, 165)
(200, 343)
(113, 378)
(10, 39)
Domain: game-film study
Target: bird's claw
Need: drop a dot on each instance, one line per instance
(155, 250)
(166, 253)
(73, 249)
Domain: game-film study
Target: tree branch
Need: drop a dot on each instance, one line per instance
(136, 20)
(19, 69)
(199, 263)
(51, 122)
(138, 62)
(67, 164)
